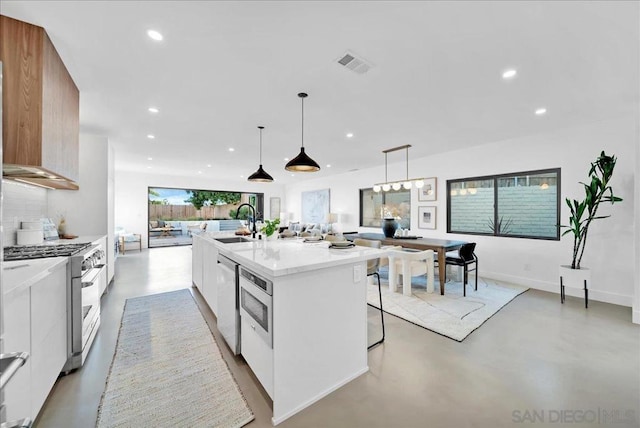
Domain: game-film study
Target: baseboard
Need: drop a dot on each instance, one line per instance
(554, 287)
(275, 421)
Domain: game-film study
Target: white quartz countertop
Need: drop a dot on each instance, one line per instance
(20, 274)
(289, 256)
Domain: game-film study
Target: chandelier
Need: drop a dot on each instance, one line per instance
(397, 185)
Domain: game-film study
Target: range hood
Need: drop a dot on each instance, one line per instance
(37, 177)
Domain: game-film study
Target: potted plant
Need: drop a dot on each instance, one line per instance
(582, 213)
(269, 228)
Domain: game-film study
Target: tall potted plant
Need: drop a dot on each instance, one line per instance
(583, 212)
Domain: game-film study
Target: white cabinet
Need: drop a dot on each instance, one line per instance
(209, 275)
(36, 322)
(196, 261)
(48, 334)
(17, 333)
(257, 353)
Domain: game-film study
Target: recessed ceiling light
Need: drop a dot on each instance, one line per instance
(149, 158)
(509, 74)
(328, 165)
(155, 35)
(350, 135)
(148, 167)
(151, 136)
(541, 111)
(286, 159)
(293, 175)
(231, 149)
(153, 110)
(242, 176)
(199, 172)
(208, 165)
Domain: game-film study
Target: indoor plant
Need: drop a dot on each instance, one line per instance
(270, 227)
(582, 213)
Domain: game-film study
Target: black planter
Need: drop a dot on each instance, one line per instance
(389, 226)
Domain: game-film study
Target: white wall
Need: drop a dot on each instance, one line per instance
(89, 210)
(131, 195)
(610, 251)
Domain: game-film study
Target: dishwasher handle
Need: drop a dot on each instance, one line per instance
(225, 261)
(10, 363)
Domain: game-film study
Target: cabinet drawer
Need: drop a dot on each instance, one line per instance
(17, 333)
(258, 355)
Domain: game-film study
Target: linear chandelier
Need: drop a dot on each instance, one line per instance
(397, 185)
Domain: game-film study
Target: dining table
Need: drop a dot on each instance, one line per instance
(439, 246)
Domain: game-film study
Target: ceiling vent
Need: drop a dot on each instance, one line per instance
(354, 63)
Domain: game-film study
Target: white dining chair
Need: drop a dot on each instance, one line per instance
(410, 264)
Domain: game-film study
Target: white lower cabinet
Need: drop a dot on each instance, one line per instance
(17, 334)
(209, 272)
(35, 321)
(48, 334)
(196, 261)
(258, 355)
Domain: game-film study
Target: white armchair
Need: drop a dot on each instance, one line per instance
(409, 264)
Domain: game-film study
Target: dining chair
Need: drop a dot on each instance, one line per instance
(465, 257)
(372, 270)
(410, 264)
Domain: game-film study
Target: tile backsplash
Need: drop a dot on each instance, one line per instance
(20, 202)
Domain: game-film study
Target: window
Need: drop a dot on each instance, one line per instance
(519, 205)
(374, 206)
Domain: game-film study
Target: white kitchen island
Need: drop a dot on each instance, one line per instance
(319, 317)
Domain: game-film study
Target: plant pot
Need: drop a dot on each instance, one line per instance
(575, 278)
(389, 226)
(271, 237)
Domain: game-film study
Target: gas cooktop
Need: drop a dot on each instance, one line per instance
(27, 252)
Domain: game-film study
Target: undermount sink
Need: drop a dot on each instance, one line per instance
(232, 240)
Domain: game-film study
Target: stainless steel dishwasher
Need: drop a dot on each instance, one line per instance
(228, 302)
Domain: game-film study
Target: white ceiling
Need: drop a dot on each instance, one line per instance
(226, 67)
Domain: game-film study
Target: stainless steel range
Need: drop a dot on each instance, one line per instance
(86, 272)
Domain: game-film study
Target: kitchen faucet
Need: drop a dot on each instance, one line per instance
(253, 211)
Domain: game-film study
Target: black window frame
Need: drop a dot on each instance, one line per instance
(495, 179)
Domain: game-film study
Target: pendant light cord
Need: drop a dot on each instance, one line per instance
(407, 158)
(386, 180)
(260, 128)
(302, 98)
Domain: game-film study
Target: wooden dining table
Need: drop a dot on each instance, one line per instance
(439, 246)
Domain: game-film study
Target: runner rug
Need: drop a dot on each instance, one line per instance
(168, 371)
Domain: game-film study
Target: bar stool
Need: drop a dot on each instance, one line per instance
(372, 270)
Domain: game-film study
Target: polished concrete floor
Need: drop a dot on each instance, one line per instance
(534, 363)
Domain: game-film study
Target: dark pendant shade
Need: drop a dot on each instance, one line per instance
(302, 163)
(260, 175)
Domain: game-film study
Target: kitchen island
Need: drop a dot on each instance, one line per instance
(318, 315)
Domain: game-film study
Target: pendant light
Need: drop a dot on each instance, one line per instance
(302, 162)
(260, 175)
(397, 185)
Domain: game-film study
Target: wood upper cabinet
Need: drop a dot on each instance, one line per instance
(41, 108)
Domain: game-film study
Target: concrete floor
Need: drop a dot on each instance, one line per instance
(534, 361)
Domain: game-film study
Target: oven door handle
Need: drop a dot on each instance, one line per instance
(90, 282)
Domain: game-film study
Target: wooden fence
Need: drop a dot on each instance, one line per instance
(189, 212)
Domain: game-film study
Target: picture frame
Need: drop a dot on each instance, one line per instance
(427, 217)
(315, 206)
(274, 208)
(428, 192)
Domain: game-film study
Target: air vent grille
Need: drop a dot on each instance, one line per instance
(354, 63)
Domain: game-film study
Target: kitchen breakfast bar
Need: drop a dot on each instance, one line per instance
(303, 312)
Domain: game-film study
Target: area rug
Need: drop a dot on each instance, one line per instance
(168, 371)
(451, 315)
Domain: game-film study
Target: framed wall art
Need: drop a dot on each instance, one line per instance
(427, 217)
(428, 192)
(315, 206)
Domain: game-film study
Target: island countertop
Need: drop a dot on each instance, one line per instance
(289, 256)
